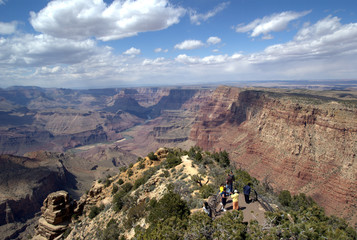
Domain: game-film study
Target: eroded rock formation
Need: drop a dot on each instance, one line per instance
(57, 211)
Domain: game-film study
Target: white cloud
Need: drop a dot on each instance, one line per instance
(157, 50)
(326, 38)
(2, 2)
(273, 23)
(325, 49)
(197, 18)
(7, 28)
(213, 59)
(183, 58)
(156, 61)
(48, 70)
(213, 40)
(189, 45)
(132, 51)
(42, 50)
(81, 19)
(323, 27)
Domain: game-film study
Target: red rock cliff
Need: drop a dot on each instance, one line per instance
(295, 141)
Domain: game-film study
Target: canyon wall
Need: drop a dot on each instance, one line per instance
(292, 140)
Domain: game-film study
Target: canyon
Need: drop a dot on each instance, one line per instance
(300, 140)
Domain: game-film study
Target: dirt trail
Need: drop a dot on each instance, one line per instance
(251, 211)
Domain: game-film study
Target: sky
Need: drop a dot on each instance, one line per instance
(122, 43)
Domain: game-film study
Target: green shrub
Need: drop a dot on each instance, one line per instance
(232, 223)
(131, 165)
(152, 156)
(206, 191)
(119, 198)
(120, 181)
(94, 211)
(127, 187)
(301, 201)
(198, 157)
(123, 169)
(199, 226)
(166, 173)
(115, 189)
(139, 182)
(170, 205)
(146, 176)
(134, 214)
(111, 232)
(118, 202)
(170, 228)
(141, 165)
(107, 182)
(284, 197)
(130, 172)
(222, 158)
(152, 203)
(242, 178)
(171, 161)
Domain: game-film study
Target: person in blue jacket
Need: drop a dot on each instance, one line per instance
(246, 190)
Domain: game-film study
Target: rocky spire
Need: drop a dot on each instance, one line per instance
(57, 211)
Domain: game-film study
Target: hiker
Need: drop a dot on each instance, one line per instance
(224, 196)
(229, 181)
(235, 197)
(207, 209)
(233, 179)
(246, 191)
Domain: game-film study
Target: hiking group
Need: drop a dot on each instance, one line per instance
(226, 191)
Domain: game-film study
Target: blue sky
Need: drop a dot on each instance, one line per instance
(96, 43)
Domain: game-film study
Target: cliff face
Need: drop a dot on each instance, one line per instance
(146, 97)
(292, 141)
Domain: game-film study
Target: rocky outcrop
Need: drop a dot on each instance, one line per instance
(297, 141)
(57, 211)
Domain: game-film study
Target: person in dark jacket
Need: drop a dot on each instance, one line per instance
(246, 191)
(224, 196)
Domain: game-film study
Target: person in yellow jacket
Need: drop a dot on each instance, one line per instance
(235, 200)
